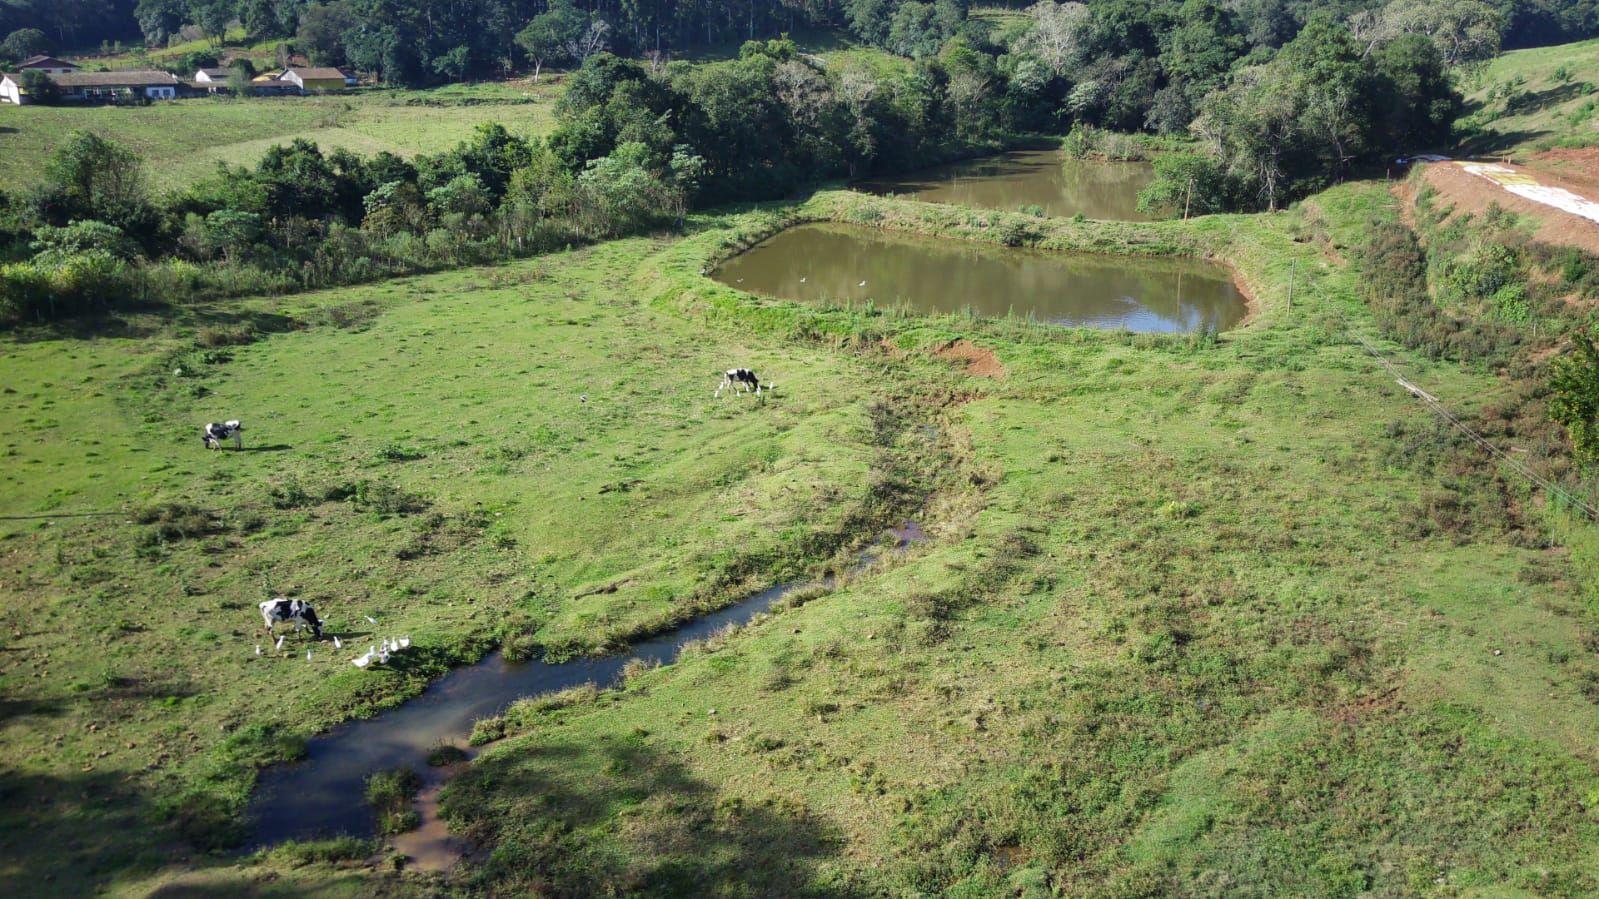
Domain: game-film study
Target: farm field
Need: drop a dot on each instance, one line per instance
(181, 141)
(1184, 622)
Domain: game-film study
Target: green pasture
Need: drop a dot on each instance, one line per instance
(1197, 615)
(1535, 99)
(181, 141)
(521, 453)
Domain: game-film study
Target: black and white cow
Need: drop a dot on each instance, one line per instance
(214, 434)
(739, 379)
(284, 610)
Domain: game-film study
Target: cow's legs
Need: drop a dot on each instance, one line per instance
(238, 440)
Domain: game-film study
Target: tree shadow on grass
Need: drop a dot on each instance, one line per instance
(619, 817)
(65, 835)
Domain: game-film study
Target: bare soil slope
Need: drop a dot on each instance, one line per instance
(1468, 193)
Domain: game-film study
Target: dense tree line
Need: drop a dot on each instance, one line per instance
(421, 41)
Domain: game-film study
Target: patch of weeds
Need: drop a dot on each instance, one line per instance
(390, 794)
(224, 335)
(296, 854)
(377, 496)
(487, 730)
(172, 522)
(445, 754)
(396, 452)
(290, 494)
(205, 820)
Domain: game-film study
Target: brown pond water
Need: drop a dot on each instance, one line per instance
(1063, 187)
(826, 263)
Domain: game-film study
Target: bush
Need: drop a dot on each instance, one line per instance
(171, 522)
(390, 794)
(1574, 395)
(58, 285)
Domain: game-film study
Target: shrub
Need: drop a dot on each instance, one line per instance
(237, 335)
(171, 522)
(390, 794)
(445, 754)
(1574, 395)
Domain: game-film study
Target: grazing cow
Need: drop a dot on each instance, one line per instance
(214, 434)
(739, 379)
(283, 610)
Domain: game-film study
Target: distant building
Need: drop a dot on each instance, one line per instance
(217, 75)
(97, 87)
(318, 79)
(47, 64)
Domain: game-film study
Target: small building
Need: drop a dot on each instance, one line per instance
(323, 78)
(211, 81)
(11, 88)
(47, 64)
(108, 87)
(272, 82)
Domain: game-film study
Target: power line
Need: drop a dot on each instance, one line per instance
(1443, 412)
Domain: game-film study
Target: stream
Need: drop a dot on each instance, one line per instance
(323, 794)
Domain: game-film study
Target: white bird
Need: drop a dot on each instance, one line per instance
(739, 281)
(862, 284)
(361, 661)
(405, 642)
(257, 649)
(370, 619)
(802, 280)
(337, 644)
(308, 655)
(583, 398)
(279, 646)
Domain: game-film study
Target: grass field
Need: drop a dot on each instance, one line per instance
(183, 140)
(1198, 637)
(468, 457)
(1185, 624)
(1197, 615)
(1536, 99)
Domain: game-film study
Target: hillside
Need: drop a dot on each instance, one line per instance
(1527, 101)
(185, 139)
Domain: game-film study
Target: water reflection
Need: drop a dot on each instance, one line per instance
(1046, 178)
(829, 262)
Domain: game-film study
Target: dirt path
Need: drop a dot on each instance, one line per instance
(1565, 213)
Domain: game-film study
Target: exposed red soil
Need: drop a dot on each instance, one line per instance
(1470, 193)
(978, 361)
(1579, 167)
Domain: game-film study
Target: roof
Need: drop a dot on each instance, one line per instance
(216, 73)
(114, 79)
(272, 75)
(319, 73)
(45, 62)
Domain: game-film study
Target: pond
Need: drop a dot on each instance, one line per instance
(1063, 187)
(831, 263)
